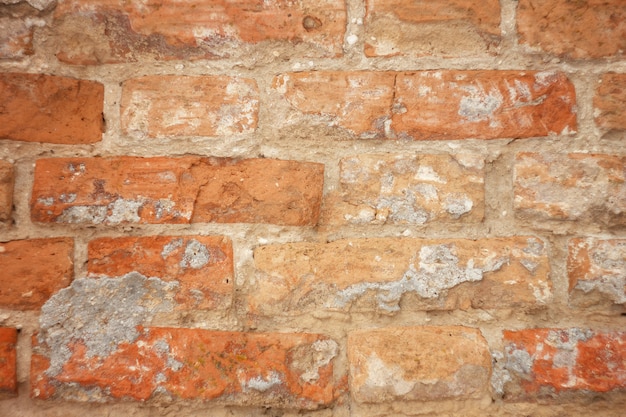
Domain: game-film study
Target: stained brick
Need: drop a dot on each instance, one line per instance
(574, 29)
(8, 362)
(377, 274)
(201, 265)
(546, 362)
(589, 187)
(176, 190)
(158, 106)
(117, 31)
(418, 363)
(33, 270)
(400, 189)
(610, 102)
(16, 38)
(53, 109)
(440, 27)
(430, 105)
(7, 179)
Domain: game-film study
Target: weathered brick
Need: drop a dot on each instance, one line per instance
(33, 270)
(176, 190)
(376, 274)
(7, 179)
(8, 362)
(16, 38)
(48, 108)
(400, 189)
(440, 27)
(598, 265)
(435, 104)
(542, 363)
(571, 187)
(118, 31)
(202, 266)
(610, 102)
(418, 363)
(261, 369)
(575, 29)
(159, 106)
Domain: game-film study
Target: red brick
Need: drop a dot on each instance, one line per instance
(439, 27)
(33, 270)
(159, 106)
(574, 187)
(8, 362)
(418, 363)
(380, 274)
(574, 29)
(547, 362)
(261, 369)
(598, 265)
(430, 105)
(400, 189)
(202, 265)
(48, 108)
(610, 102)
(117, 31)
(7, 179)
(176, 190)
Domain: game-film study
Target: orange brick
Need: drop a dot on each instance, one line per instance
(176, 190)
(418, 363)
(439, 27)
(48, 108)
(162, 105)
(117, 31)
(610, 102)
(8, 362)
(261, 369)
(578, 187)
(33, 270)
(430, 105)
(400, 189)
(380, 274)
(543, 363)
(7, 179)
(574, 29)
(201, 265)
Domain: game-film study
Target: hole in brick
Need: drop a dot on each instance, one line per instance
(311, 23)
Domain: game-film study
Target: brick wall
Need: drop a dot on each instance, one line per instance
(313, 207)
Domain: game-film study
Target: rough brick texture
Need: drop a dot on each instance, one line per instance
(435, 104)
(53, 109)
(201, 265)
(610, 102)
(440, 27)
(425, 363)
(33, 270)
(116, 31)
(7, 178)
(548, 362)
(176, 190)
(158, 106)
(375, 274)
(571, 187)
(16, 38)
(564, 27)
(8, 362)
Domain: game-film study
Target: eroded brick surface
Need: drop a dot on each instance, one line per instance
(610, 102)
(176, 190)
(399, 189)
(376, 274)
(435, 104)
(117, 31)
(7, 179)
(33, 270)
(582, 187)
(47, 108)
(16, 38)
(160, 106)
(8, 362)
(440, 27)
(546, 362)
(418, 363)
(576, 29)
(201, 265)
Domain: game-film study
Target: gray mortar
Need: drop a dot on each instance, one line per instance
(101, 313)
(171, 247)
(196, 255)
